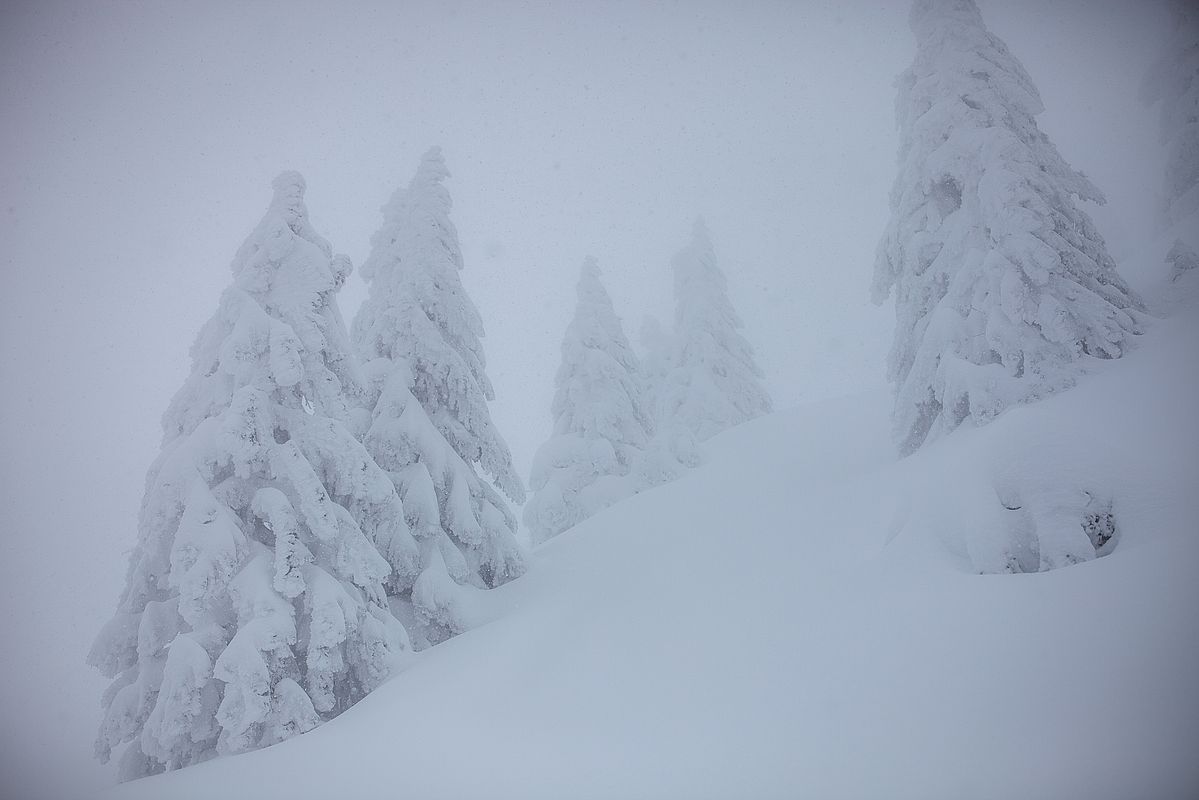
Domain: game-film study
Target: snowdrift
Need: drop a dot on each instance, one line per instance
(805, 617)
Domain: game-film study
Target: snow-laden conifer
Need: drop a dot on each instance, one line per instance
(1003, 287)
(672, 447)
(418, 335)
(254, 605)
(1173, 80)
(659, 351)
(714, 382)
(600, 425)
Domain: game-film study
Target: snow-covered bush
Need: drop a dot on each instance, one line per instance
(1182, 259)
(601, 428)
(418, 335)
(713, 382)
(1003, 287)
(1173, 80)
(254, 605)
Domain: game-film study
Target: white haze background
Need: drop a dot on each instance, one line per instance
(140, 138)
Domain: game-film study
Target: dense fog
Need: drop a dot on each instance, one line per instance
(141, 139)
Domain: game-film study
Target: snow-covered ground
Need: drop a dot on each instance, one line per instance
(802, 617)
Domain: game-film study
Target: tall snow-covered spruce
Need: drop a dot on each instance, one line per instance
(714, 382)
(1174, 82)
(418, 336)
(1003, 287)
(254, 606)
(600, 426)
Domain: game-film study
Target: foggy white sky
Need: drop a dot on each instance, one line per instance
(140, 138)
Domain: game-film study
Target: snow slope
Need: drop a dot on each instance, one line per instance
(801, 618)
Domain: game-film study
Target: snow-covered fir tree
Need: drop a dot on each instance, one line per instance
(1003, 287)
(657, 363)
(254, 606)
(418, 336)
(600, 429)
(1173, 81)
(714, 382)
(672, 448)
(658, 376)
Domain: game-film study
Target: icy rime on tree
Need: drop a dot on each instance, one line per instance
(254, 606)
(1003, 287)
(1174, 82)
(418, 337)
(601, 429)
(714, 383)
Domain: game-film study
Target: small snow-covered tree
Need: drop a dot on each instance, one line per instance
(715, 382)
(600, 426)
(254, 605)
(418, 335)
(1173, 80)
(1003, 287)
(1182, 259)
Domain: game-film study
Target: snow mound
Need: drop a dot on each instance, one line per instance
(803, 617)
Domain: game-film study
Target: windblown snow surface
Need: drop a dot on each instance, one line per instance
(801, 618)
